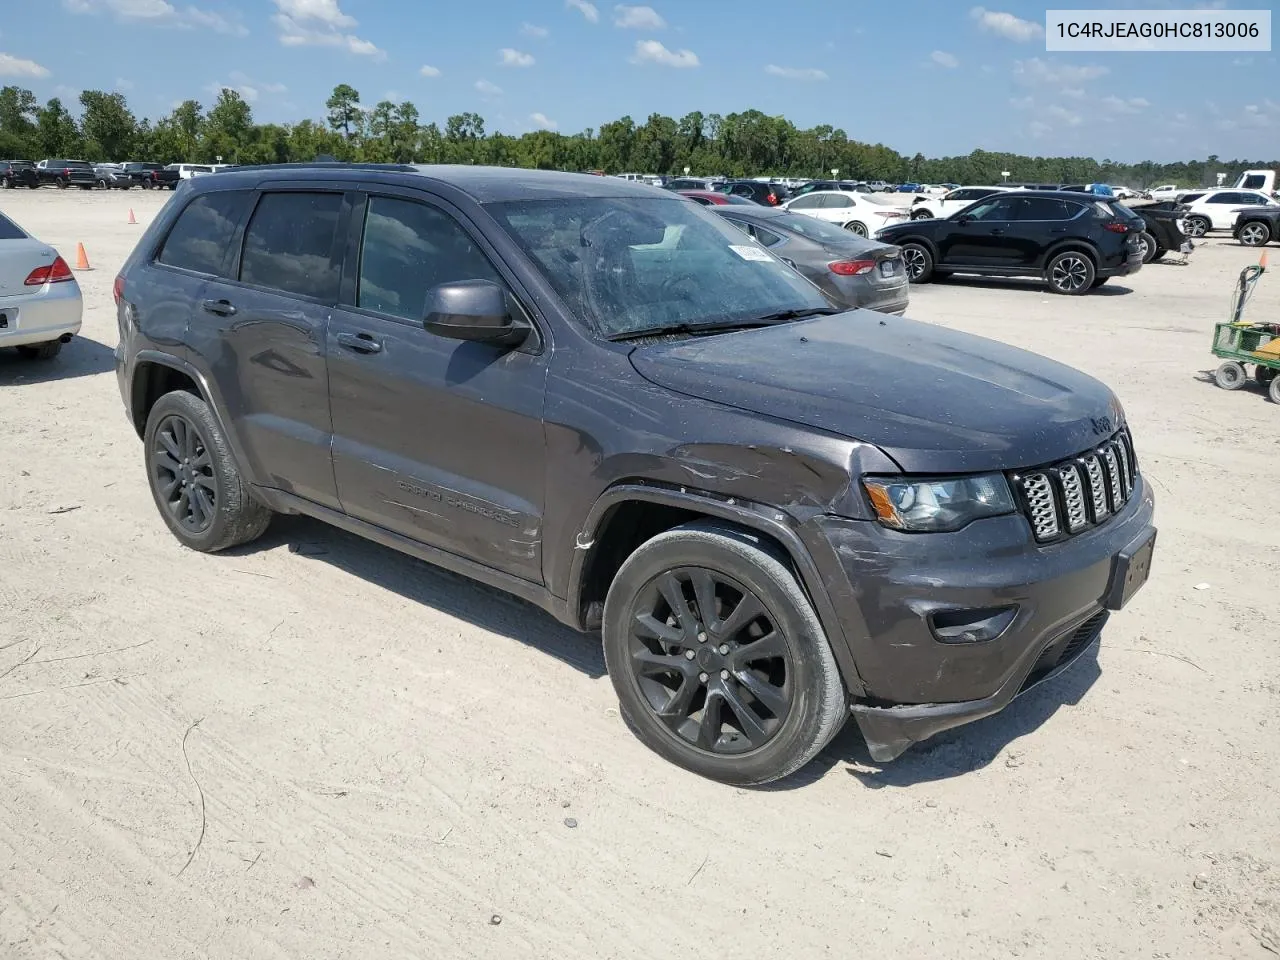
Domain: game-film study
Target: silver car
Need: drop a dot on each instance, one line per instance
(40, 301)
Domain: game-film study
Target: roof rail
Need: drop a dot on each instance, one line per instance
(328, 165)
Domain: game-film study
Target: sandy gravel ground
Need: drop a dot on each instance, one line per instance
(318, 748)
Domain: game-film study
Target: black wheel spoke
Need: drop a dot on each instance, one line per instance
(202, 461)
(652, 627)
(704, 591)
(673, 592)
(170, 445)
(205, 482)
(749, 608)
(204, 503)
(677, 708)
(168, 486)
(771, 645)
(751, 726)
(165, 461)
(651, 664)
(770, 697)
(709, 726)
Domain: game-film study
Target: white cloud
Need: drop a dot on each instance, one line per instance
(215, 22)
(637, 18)
(320, 23)
(1039, 129)
(429, 71)
(542, 121)
(123, 84)
(588, 10)
(240, 78)
(532, 30)
(1037, 71)
(1131, 105)
(1006, 24)
(1022, 103)
(795, 73)
(514, 58)
(11, 66)
(249, 94)
(160, 13)
(944, 59)
(1063, 114)
(1075, 93)
(651, 51)
(488, 89)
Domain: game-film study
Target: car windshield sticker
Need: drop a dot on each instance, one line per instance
(750, 253)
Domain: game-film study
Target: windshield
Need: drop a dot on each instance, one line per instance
(626, 266)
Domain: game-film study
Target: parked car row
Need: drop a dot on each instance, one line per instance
(62, 173)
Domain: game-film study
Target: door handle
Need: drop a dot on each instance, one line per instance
(997, 232)
(223, 308)
(360, 342)
(1058, 230)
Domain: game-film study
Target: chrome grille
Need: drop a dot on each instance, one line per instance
(1067, 498)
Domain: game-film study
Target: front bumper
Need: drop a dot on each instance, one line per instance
(48, 313)
(887, 586)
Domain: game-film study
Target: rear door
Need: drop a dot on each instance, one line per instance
(1037, 223)
(263, 335)
(436, 439)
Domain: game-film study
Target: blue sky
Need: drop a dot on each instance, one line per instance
(933, 76)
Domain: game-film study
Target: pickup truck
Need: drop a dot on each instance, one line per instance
(1257, 226)
(18, 173)
(150, 176)
(66, 173)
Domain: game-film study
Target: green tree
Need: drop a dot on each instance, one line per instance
(344, 110)
(56, 132)
(108, 126)
(227, 128)
(18, 108)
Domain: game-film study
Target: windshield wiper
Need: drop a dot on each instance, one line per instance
(694, 329)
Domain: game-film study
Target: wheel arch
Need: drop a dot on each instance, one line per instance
(631, 513)
(1071, 244)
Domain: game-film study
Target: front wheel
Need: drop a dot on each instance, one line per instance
(922, 215)
(1273, 391)
(855, 227)
(919, 262)
(1254, 234)
(1070, 273)
(194, 479)
(6, 184)
(62, 184)
(718, 660)
(1197, 226)
(1229, 375)
(146, 184)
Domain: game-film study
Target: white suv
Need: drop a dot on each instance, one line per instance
(926, 208)
(1216, 209)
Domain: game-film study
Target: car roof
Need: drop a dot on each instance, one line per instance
(754, 212)
(482, 184)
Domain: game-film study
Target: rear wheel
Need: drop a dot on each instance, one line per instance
(1273, 391)
(1147, 244)
(718, 660)
(62, 184)
(1070, 273)
(1254, 234)
(856, 227)
(1229, 376)
(146, 184)
(194, 480)
(919, 262)
(1263, 375)
(1197, 226)
(6, 184)
(41, 351)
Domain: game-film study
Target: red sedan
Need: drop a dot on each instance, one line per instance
(710, 198)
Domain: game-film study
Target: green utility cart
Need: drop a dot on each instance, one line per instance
(1239, 342)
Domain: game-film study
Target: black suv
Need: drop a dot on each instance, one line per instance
(18, 173)
(1257, 226)
(1075, 241)
(608, 401)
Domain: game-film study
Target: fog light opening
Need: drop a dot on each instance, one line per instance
(971, 626)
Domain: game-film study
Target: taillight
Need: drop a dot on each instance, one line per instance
(67, 173)
(154, 176)
(773, 198)
(117, 289)
(851, 268)
(56, 272)
(1116, 227)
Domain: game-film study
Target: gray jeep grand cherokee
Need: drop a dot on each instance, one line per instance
(605, 400)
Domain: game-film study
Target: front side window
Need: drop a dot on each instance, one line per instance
(289, 244)
(998, 208)
(627, 266)
(809, 202)
(410, 248)
(203, 231)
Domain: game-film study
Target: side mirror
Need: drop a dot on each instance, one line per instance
(964, 218)
(473, 310)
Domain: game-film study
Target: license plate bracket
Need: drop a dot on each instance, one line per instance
(1130, 570)
(4, 320)
(887, 268)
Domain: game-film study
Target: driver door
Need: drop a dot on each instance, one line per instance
(982, 238)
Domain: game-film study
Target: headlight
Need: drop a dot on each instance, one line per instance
(939, 505)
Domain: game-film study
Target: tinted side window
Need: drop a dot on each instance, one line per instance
(767, 237)
(808, 202)
(289, 244)
(408, 249)
(1223, 198)
(998, 208)
(833, 200)
(744, 227)
(10, 230)
(1042, 208)
(203, 232)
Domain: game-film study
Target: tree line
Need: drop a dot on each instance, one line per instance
(737, 144)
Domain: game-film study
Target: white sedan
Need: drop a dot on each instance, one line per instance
(1216, 209)
(926, 208)
(856, 212)
(40, 303)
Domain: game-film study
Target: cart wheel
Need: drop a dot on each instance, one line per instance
(1229, 376)
(1274, 390)
(1264, 375)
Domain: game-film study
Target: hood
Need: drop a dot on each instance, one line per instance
(935, 400)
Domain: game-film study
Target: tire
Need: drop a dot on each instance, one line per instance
(1273, 391)
(62, 184)
(226, 513)
(1229, 375)
(919, 262)
(1197, 227)
(1149, 247)
(1254, 234)
(645, 664)
(1071, 273)
(1097, 282)
(1159, 254)
(41, 351)
(6, 184)
(102, 184)
(857, 227)
(34, 186)
(922, 215)
(1263, 375)
(147, 184)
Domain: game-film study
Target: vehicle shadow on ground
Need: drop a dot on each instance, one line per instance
(435, 587)
(1250, 385)
(957, 752)
(81, 357)
(1024, 285)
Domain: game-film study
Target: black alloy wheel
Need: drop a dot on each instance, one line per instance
(1197, 227)
(1254, 234)
(1071, 273)
(710, 661)
(918, 262)
(182, 474)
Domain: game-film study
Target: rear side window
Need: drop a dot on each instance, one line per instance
(289, 244)
(807, 202)
(203, 232)
(767, 237)
(408, 249)
(10, 230)
(1042, 208)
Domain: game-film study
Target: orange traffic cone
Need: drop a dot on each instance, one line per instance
(132, 218)
(82, 258)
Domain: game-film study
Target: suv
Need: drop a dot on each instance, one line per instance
(66, 173)
(604, 399)
(928, 208)
(759, 191)
(18, 173)
(1257, 226)
(1076, 242)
